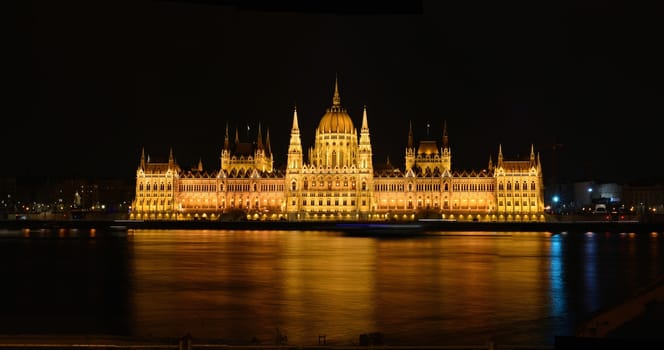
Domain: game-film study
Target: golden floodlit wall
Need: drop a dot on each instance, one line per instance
(339, 181)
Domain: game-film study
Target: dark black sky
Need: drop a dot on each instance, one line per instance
(105, 79)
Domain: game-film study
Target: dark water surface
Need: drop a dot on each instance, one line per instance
(235, 286)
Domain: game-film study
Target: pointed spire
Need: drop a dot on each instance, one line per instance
(226, 140)
(365, 124)
(295, 126)
(336, 100)
(200, 164)
(490, 163)
(170, 157)
(260, 137)
(268, 148)
(539, 162)
(532, 152)
(143, 158)
(410, 134)
(500, 155)
(388, 160)
(445, 139)
(237, 136)
(295, 146)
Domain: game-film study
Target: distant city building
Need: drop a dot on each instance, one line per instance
(588, 193)
(52, 197)
(583, 196)
(642, 198)
(339, 181)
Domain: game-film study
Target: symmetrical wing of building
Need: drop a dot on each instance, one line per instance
(339, 181)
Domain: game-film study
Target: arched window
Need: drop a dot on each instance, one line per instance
(532, 185)
(364, 186)
(446, 187)
(509, 186)
(140, 187)
(293, 185)
(516, 186)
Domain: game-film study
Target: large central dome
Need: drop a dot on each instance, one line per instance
(336, 119)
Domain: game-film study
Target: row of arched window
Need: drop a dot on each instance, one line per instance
(393, 187)
(154, 187)
(516, 203)
(329, 202)
(154, 202)
(501, 186)
(198, 187)
(472, 187)
(329, 183)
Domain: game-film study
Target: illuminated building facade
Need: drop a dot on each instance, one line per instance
(339, 181)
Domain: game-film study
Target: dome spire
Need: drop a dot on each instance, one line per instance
(336, 100)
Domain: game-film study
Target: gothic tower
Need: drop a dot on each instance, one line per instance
(410, 148)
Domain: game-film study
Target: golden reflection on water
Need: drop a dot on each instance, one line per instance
(448, 288)
(266, 279)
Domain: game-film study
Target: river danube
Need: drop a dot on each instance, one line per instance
(243, 287)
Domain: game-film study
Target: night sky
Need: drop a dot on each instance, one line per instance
(106, 79)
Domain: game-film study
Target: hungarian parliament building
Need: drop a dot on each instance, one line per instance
(338, 181)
